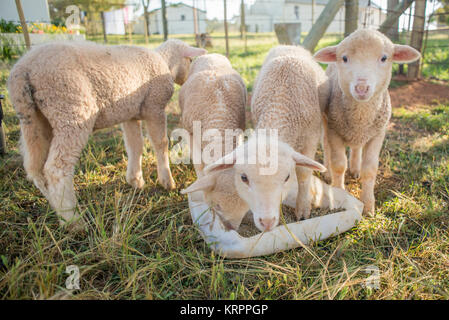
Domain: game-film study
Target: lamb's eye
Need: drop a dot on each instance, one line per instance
(244, 178)
(384, 58)
(345, 59)
(288, 177)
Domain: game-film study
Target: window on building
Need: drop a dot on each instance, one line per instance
(297, 12)
(183, 17)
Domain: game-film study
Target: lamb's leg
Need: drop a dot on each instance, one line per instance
(304, 178)
(355, 162)
(304, 197)
(157, 130)
(64, 153)
(199, 167)
(326, 150)
(132, 135)
(34, 145)
(337, 160)
(370, 164)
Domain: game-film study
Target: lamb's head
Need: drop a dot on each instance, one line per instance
(364, 60)
(179, 56)
(220, 193)
(262, 182)
(210, 62)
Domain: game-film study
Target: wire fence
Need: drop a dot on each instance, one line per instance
(191, 19)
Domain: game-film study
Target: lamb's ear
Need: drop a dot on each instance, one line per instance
(302, 160)
(203, 183)
(223, 163)
(326, 55)
(191, 52)
(405, 54)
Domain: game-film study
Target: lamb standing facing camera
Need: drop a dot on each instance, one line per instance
(288, 95)
(62, 92)
(215, 95)
(359, 107)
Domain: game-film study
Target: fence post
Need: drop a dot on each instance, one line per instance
(164, 20)
(226, 29)
(195, 24)
(103, 23)
(243, 24)
(145, 21)
(324, 20)
(313, 12)
(417, 36)
(2, 133)
(351, 16)
(24, 24)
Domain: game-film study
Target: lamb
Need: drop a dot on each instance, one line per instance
(62, 92)
(359, 105)
(287, 98)
(215, 96)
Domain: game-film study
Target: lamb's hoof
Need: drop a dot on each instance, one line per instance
(355, 174)
(74, 225)
(136, 182)
(326, 177)
(368, 208)
(168, 184)
(302, 213)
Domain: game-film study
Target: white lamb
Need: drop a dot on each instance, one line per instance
(215, 95)
(62, 92)
(286, 97)
(359, 109)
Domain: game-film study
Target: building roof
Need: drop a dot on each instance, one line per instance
(362, 3)
(178, 4)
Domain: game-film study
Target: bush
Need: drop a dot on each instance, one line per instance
(9, 50)
(8, 26)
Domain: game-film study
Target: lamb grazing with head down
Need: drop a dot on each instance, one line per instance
(359, 107)
(215, 96)
(287, 98)
(62, 92)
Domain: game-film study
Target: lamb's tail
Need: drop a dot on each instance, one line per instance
(35, 129)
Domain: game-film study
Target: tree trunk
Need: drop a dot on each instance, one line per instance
(397, 12)
(393, 33)
(24, 24)
(419, 21)
(324, 20)
(351, 16)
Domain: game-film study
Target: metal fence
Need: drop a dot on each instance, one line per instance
(260, 16)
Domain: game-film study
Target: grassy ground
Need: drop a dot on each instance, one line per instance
(141, 244)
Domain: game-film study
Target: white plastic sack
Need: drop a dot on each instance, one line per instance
(230, 244)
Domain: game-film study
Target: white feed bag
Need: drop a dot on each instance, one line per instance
(230, 244)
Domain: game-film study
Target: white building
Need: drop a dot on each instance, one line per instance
(33, 10)
(179, 20)
(263, 14)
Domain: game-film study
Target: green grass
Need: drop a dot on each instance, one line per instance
(142, 244)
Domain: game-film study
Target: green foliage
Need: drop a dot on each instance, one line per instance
(9, 50)
(8, 26)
